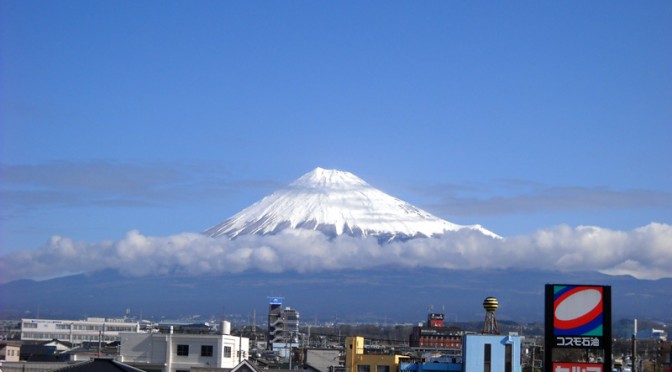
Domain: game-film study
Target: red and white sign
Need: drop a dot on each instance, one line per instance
(577, 367)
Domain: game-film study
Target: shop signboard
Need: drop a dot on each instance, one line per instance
(578, 317)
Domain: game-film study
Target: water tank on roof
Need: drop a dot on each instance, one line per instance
(226, 327)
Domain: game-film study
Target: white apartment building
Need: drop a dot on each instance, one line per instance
(76, 331)
(178, 352)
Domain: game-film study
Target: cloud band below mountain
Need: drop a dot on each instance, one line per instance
(645, 253)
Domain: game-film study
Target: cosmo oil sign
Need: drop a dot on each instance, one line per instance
(578, 317)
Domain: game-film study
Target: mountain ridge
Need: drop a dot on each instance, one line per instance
(352, 295)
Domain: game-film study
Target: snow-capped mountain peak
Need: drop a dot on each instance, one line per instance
(336, 202)
(328, 179)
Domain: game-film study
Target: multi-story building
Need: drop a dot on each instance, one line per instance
(491, 353)
(283, 325)
(357, 360)
(434, 336)
(178, 352)
(274, 320)
(76, 331)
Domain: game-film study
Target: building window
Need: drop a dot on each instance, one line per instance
(382, 368)
(183, 350)
(508, 358)
(206, 350)
(29, 325)
(487, 357)
(227, 351)
(363, 368)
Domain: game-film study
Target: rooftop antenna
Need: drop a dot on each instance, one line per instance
(254, 324)
(490, 304)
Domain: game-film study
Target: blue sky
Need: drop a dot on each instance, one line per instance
(168, 117)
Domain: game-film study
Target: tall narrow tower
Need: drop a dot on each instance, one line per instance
(274, 320)
(490, 304)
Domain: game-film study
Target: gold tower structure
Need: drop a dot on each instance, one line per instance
(490, 304)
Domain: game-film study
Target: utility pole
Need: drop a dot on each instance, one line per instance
(240, 346)
(289, 346)
(254, 325)
(534, 346)
(634, 348)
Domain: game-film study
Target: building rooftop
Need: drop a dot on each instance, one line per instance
(99, 365)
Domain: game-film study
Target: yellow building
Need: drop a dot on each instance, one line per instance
(357, 361)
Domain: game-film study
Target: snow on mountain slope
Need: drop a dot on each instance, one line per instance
(335, 203)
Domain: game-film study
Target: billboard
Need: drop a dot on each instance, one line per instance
(577, 367)
(577, 317)
(275, 300)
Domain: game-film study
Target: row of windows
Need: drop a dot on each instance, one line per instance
(78, 327)
(117, 328)
(66, 337)
(439, 344)
(82, 327)
(440, 337)
(12, 352)
(206, 350)
(367, 368)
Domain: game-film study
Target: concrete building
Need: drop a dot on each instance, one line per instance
(652, 334)
(176, 352)
(491, 353)
(434, 336)
(356, 360)
(10, 351)
(480, 353)
(274, 320)
(283, 327)
(75, 331)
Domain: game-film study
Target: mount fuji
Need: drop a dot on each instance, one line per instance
(192, 273)
(337, 203)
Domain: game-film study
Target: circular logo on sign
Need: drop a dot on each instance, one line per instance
(577, 309)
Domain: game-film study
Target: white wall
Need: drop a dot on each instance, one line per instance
(139, 348)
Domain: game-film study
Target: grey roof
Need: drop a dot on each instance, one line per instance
(99, 365)
(245, 365)
(322, 359)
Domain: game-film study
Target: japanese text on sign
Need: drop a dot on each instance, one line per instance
(577, 342)
(576, 367)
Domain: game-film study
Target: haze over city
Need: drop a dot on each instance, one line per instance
(127, 129)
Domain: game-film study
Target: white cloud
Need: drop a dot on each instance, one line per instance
(645, 253)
